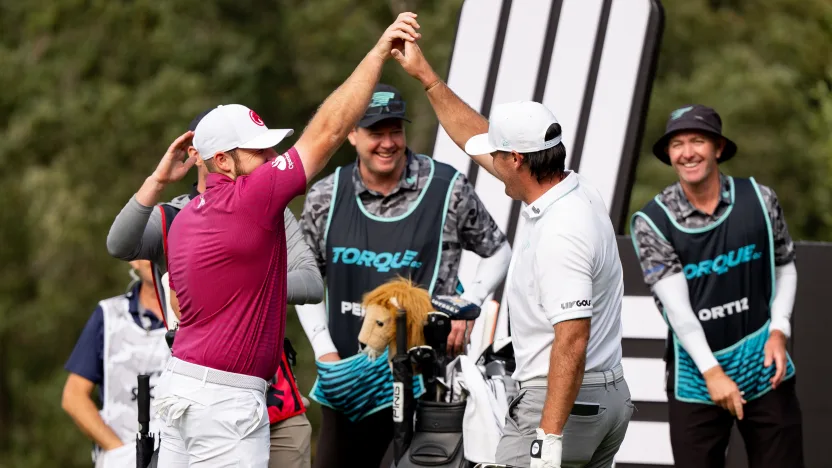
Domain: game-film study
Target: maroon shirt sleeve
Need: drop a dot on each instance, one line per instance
(269, 189)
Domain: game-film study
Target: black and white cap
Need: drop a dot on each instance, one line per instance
(515, 126)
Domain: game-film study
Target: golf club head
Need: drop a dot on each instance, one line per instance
(436, 331)
(456, 307)
(423, 356)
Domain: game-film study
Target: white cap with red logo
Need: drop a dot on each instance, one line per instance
(234, 126)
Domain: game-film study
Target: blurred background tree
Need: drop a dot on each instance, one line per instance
(94, 91)
(766, 67)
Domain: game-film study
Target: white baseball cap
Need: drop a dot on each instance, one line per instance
(515, 126)
(233, 126)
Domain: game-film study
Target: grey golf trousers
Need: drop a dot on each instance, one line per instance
(588, 441)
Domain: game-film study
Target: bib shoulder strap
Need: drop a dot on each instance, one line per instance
(442, 170)
(343, 182)
(114, 306)
(655, 216)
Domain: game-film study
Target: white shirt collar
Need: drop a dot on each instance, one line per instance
(539, 206)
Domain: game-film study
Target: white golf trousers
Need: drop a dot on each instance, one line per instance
(205, 424)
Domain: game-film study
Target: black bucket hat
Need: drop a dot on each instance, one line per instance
(693, 117)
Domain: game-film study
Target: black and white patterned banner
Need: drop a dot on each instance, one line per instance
(592, 63)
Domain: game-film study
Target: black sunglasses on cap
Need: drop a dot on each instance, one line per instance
(392, 107)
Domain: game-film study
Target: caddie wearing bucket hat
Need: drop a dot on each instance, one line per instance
(716, 252)
(694, 118)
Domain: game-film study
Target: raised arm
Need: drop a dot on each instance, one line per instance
(459, 120)
(136, 234)
(340, 112)
(136, 231)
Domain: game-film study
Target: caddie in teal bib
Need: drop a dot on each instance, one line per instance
(718, 258)
(364, 251)
(729, 267)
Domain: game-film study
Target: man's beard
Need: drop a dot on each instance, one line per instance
(238, 171)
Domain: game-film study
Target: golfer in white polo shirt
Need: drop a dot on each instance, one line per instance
(565, 288)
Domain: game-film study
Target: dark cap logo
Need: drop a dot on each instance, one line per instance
(680, 112)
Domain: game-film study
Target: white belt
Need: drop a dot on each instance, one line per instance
(206, 374)
(590, 378)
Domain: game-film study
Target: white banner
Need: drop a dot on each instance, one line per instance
(592, 63)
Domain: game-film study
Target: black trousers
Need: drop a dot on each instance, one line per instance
(343, 443)
(771, 429)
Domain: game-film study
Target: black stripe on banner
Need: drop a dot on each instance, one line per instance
(548, 48)
(650, 411)
(638, 113)
(491, 83)
(589, 92)
(642, 348)
(539, 89)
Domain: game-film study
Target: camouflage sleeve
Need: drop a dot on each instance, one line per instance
(314, 217)
(783, 246)
(477, 230)
(303, 278)
(656, 255)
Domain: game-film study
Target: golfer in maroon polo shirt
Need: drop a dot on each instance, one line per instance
(227, 268)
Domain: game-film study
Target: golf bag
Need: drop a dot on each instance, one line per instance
(437, 436)
(431, 434)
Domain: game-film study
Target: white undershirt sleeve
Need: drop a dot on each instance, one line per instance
(563, 268)
(784, 293)
(490, 272)
(314, 321)
(672, 291)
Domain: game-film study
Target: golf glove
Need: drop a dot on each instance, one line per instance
(546, 450)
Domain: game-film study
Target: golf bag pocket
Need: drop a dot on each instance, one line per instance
(437, 439)
(358, 386)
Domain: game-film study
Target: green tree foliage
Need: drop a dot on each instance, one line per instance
(92, 92)
(766, 67)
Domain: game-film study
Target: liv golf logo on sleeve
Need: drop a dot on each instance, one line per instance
(592, 63)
